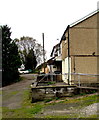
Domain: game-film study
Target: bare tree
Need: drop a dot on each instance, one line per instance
(25, 44)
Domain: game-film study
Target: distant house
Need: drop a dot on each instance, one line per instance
(41, 68)
(79, 48)
(56, 63)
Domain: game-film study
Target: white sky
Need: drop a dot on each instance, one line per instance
(34, 17)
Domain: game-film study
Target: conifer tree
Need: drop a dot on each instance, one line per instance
(10, 57)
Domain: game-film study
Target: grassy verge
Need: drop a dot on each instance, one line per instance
(76, 104)
(29, 110)
(7, 95)
(84, 101)
(92, 117)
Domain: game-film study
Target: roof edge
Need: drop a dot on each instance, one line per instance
(84, 18)
(63, 36)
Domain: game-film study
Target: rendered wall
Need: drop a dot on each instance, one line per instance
(83, 41)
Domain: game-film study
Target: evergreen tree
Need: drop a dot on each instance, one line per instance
(10, 57)
(30, 62)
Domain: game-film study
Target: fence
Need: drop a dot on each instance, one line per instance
(78, 79)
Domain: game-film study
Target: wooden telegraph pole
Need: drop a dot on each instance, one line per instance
(43, 53)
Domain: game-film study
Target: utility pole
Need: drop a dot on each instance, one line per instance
(43, 53)
(68, 58)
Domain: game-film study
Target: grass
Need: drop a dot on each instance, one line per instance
(83, 101)
(48, 100)
(8, 94)
(51, 99)
(92, 117)
(17, 113)
(61, 117)
(14, 92)
(29, 110)
(0, 92)
(23, 112)
(51, 82)
(79, 103)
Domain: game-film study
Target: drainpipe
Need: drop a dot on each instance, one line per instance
(68, 58)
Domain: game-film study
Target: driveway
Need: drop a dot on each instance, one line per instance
(12, 94)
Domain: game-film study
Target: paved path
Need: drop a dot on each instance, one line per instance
(12, 94)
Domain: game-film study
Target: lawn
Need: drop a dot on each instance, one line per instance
(33, 110)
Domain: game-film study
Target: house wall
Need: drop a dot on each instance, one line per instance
(64, 49)
(83, 41)
(85, 65)
(65, 69)
(83, 37)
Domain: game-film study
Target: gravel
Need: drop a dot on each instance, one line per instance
(90, 110)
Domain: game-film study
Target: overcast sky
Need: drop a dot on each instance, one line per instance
(34, 17)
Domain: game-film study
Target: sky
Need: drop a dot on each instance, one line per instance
(51, 17)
